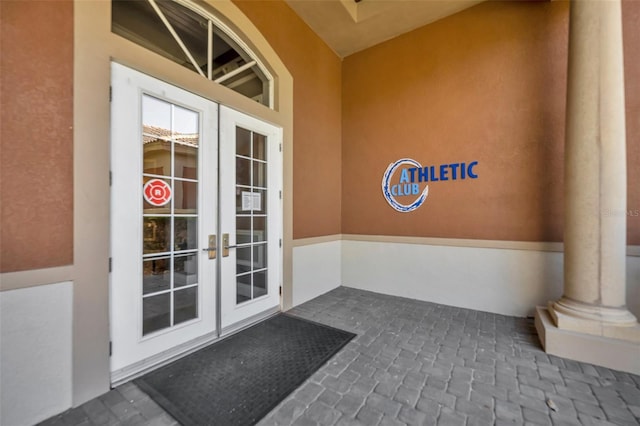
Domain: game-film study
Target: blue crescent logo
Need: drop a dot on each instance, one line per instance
(403, 208)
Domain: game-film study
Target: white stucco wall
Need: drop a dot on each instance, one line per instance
(35, 353)
(509, 282)
(316, 270)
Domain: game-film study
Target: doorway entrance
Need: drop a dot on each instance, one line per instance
(196, 221)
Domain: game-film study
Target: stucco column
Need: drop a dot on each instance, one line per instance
(595, 189)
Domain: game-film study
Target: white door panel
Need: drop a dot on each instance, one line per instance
(251, 214)
(163, 286)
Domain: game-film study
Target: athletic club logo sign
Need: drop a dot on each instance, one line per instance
(413, 180)
(157, 192)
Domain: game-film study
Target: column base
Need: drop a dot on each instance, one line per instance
(617, 323)
(615, 353)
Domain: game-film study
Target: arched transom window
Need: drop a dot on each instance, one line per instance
(187, 34)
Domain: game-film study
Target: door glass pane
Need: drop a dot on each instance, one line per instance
(186, 199)
(259, 229)
(156, 136)
(260, 256)
(259, 174)
(185, 305)
(156, 313)
(259, 283)
(243, 230)
(243, 171)
(156, 275)
(243, 142)
(243, 288)
(259, 146)
(186, 237)
(243, 260)
(170, 216)
(251, 219)
(185, 270)
(157, 234)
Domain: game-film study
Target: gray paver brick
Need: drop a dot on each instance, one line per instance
(289, 411)
(436, 383)
(483, 399)
(472, 409)
(135, 420)
(111, 398)
(382, 404)
(587, 420)
(428, 406)
(508, 411)
(541, 384)
(619, 415)
(414, 380)
(445, 366)
(363, 387)
(589, 409)
(386, 389)
(124, 410)
(369, 416)
(576, 395)
(390, 421)
(411, 416)
(439, 396)
(560, 420)
(329, 397)
(524, 401)
(536, 417)
(322, 413)
(335, 384)
(407, 396)
(459, 388)
(304, 421)
(532, 392)
(349, 405)
(450, 418)
(148, 408)
(564, 406)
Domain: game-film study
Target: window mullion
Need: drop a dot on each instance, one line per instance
(176, 36)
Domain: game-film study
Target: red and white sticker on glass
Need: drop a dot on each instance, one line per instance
(157, 192)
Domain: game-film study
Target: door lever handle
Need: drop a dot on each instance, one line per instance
(226, 246)
(213, 247)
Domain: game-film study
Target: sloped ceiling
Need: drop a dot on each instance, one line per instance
(348, 26)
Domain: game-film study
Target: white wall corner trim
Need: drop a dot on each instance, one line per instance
(35, 353)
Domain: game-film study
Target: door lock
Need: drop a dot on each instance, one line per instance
(213, 246)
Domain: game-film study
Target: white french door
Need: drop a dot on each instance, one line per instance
(251, 215)
(179, 185)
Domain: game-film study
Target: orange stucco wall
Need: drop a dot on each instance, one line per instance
(488, 85)
(36, 162)
(316, 71)
(631, 37)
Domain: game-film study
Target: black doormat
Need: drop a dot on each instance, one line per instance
(239, 380)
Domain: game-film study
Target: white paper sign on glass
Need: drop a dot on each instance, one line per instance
(251, 201)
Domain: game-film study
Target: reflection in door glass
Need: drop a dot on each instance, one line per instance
(156, 313)
(171, 140)
(251, 218)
